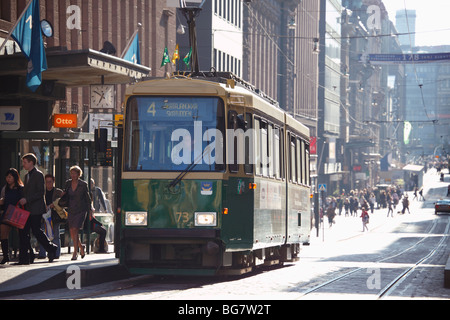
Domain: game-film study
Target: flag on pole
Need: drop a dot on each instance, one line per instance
(166, 57)
(187, 58)
(133, 54)
(176, 55)
(28, 36)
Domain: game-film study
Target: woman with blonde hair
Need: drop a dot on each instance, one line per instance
(79, 204)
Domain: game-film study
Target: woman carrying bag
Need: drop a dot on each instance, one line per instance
(11, 193)
(79, 204)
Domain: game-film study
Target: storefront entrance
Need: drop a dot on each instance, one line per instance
(56, 153)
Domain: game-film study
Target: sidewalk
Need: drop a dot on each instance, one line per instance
(42, 275)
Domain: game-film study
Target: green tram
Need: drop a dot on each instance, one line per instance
(215, 178)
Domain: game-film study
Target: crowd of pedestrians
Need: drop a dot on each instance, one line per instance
(359, 203)
(38, 195)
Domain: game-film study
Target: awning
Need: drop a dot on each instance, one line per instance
(413, 167)
(78, 68)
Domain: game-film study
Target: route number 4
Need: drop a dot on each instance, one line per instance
(152, 109)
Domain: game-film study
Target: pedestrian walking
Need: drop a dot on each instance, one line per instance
(389, 203)
(34, 202)
(421, 194)
(383, 198)
(331, 214)
(353, 206)
(11, 193)
(346, 206)
(415, 194)
(51, 194)
(78, 207)
(405, 203)
(340, 204)
(365, 218)
(372, 201)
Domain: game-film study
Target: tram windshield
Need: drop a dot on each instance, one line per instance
(174, 134)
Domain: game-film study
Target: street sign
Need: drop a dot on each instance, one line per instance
(323, 187)
(65, 121)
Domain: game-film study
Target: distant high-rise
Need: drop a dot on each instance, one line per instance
(405, 22)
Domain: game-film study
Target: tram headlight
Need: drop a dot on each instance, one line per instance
(206, 219)
(134, 218)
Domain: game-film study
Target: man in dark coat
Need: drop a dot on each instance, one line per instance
(34, 202)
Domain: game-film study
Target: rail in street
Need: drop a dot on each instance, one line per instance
(401, 257)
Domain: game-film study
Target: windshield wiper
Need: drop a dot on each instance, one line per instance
(187, 170)
(183, 174)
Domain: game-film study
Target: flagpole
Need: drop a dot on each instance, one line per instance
(129, 43)
(15, 25)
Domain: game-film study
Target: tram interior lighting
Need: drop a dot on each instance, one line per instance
(136, 219)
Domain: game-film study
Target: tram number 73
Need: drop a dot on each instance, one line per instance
(182, 217)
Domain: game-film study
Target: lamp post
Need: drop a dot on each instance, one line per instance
(191, 13)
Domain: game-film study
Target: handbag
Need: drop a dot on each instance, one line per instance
(48, 227)
(62, 213)
(15, 216)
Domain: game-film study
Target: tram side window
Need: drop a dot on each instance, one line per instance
(276, 153)
(283, 173)
(257, 148)
(305, 179)
(293, 159)
(241, 140)
(264, 149)
(232, 125)
(248, 167)
(308, 180)
(299, 161)
(270, 150)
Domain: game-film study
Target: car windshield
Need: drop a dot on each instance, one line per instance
(171, 133)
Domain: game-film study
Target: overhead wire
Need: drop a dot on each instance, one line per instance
(414, 64)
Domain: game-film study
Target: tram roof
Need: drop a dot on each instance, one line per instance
(218, 84)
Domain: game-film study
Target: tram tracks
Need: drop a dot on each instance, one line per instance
(388, 289)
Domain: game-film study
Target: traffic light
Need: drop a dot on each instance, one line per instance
(101, 140)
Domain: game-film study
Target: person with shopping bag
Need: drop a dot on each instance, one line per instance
(11, 193)
(51, 194)
(34, 202)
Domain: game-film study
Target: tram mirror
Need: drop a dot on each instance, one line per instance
(237, 121)
(242, 123)
(101, 140)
